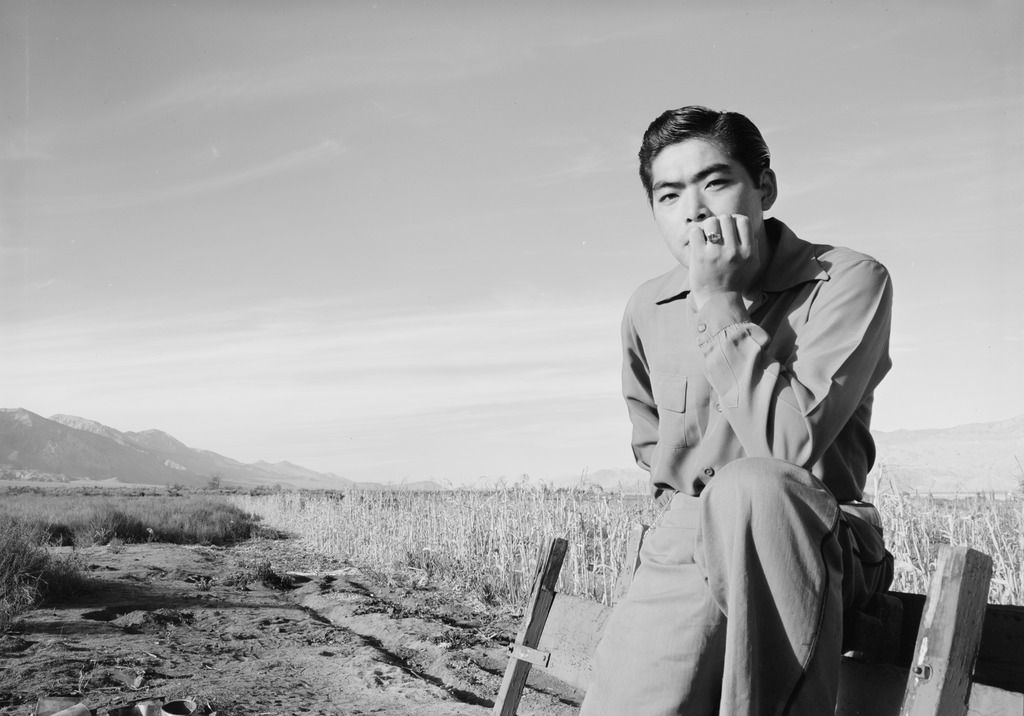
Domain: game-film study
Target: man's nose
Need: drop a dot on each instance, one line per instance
(696, 211)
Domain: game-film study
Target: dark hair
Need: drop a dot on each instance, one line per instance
(731, 132)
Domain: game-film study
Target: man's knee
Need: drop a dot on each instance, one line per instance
(755, 481)
(770, 488)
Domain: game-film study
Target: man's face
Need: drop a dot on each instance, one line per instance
(693, 181)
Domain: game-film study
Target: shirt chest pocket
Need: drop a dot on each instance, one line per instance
(673, 423)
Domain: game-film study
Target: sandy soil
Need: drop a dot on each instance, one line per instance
(205, 622)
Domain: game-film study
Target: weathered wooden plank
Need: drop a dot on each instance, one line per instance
(636, 538)
(949, 636)
(877, 690)
(873, 633)
(569, 629)
(549, 564)
(1001, 656)
(870, 689)
(573, 631)
(575, 626)
(534, 656)
(990, 701)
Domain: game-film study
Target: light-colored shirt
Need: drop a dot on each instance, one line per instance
(792, 377)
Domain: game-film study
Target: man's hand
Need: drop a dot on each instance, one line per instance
(724, 257)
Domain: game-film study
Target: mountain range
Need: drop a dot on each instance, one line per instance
(66, 447)
(968, 458)
(979, 457)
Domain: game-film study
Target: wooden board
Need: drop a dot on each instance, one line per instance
(877, 690)
(990, 701)
(549, 564)
(1001, 656)
(563, 633)
(632, 562)
(574, 629)
(575, 626)
(870, 689)
(949, 635)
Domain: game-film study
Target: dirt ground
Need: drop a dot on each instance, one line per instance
(214, 624)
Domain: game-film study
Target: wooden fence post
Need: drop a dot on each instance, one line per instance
(541, 598)
(949, 636)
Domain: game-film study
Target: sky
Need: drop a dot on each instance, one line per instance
(394, 240)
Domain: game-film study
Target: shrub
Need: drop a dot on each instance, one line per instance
(82, 520)
(29, 574)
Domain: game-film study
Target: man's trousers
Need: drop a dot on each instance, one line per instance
(737, 606)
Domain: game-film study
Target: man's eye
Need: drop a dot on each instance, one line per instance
(716, 183)
(666, 197)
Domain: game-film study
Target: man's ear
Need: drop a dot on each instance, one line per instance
(769, 189)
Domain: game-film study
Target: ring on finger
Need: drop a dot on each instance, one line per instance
(714, 238)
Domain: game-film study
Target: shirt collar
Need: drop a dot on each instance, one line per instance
(793, 262)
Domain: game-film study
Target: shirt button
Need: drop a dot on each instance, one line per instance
(718, 407)
(701, 327)
(710, 472)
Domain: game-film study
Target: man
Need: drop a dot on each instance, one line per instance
(748, 372)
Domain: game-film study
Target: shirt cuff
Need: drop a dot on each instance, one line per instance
(720, 311)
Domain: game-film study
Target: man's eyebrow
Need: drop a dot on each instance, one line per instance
(720, 168)
(667, 185)
(699, 176)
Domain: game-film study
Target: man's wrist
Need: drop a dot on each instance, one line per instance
(721, 296)
(719, 310)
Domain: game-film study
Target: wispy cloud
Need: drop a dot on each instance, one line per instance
(307, 378)
(591, 160)
(384, 365)
(196, 98)
(296, 160)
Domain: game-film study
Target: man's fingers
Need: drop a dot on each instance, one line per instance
(727, 258)
(748, 246)
(724, 230)
(694, 234)
(730, 238)
(712, 230)
(743, 235)
(694, 240)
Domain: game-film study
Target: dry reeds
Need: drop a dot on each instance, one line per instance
(916, 525)
(487, 542)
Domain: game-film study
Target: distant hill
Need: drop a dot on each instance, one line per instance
(48, 449)
(979, 457)
(631, 480)
(67, 447)
(967, 458)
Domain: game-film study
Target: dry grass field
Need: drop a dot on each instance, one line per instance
(212, 606)
(487, 542)
(32, 522)
(409, 602)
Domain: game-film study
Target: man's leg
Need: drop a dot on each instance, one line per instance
(764, 552)
(769, 546)
(664, 645)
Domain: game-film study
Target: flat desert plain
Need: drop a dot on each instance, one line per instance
(213, 624)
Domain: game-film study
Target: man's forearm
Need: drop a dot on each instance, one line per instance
(794, 411)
